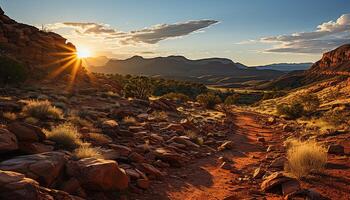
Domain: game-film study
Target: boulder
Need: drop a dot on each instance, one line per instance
(121, 149)
(26, 132)
(43, 167)
(335, 149)
(280, 183)
(8, 141)
(34, 148)
(258, 173)
(151, 170)
(16, 186)
(175, 127)
(184, 140)
(136, 157)
(278, 162)
(143, 183)
(98, 174)
(173, 158)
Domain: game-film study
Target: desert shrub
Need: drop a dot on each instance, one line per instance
(209, 100)
(9, 116)
(305, 158)
(85, 151)
(65, 135)
(310, 102)
(11, 71)
(138, 87)
(334, 117)
(176, 96)
(232, 99)
(41, 110)
(292, 111)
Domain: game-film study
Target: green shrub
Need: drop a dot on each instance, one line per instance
(305, 158)
(232, 99)
(65, 135)
(41, 110)
(11, 71)
(292, 111)
(176, 96)
(334, 117)
(209, 100)
(138, 87)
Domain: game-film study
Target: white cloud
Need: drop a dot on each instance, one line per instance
(327, 36)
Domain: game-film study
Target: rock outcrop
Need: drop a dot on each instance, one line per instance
(40, 51)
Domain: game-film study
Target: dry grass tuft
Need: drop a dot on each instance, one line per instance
(65, 135)
(305, 157)
(86, 151)
(41, 110)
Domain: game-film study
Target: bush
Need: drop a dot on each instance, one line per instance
(65, 135)
(209, 100)
(177, 97)
(293, 111)
(86, 151)
(11, 71)
(310, 102)
(335, 117)
(232, 99)
(305, 158)
(138, 87)
(42, 110)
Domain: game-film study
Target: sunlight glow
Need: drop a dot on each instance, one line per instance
(83, 53)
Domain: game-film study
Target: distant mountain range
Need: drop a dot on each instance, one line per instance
(286, 67)
(214, 71)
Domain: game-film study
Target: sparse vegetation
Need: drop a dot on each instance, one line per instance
(138, 87)
(177, 97)
(65, 135)
(99, 138)
(335, 117)
(85, 151)
(209, 100)
(11, 71)
(305, 157)
(31, 120)
(292, 111)
(77, 121)
(41, 110)
(232, 99)
(310, 102)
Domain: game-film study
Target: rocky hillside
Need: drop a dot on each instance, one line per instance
(40, 51)
(332, 64)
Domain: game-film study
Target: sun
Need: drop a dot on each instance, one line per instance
(83, 53)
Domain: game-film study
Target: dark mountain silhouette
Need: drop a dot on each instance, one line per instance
(209, 70)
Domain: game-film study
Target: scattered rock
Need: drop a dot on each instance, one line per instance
(143, 183)
(258, 173)
(98, 174)
(277, 181)
(278, 162)
(43, 167)
(8, 141)
(26, 132)
(335, 149)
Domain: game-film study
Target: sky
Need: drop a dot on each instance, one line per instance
(252, 32)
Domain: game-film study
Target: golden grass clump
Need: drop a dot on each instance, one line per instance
(65, 135)
(41, 110)
(305, 157)
(85, 151)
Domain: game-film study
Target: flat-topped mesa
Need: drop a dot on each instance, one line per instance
(41, 51)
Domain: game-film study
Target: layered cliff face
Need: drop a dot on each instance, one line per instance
(335, 62)
(41, 52)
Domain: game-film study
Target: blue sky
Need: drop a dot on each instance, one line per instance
(245, 31)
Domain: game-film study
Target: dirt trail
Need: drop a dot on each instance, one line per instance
(204, 179)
